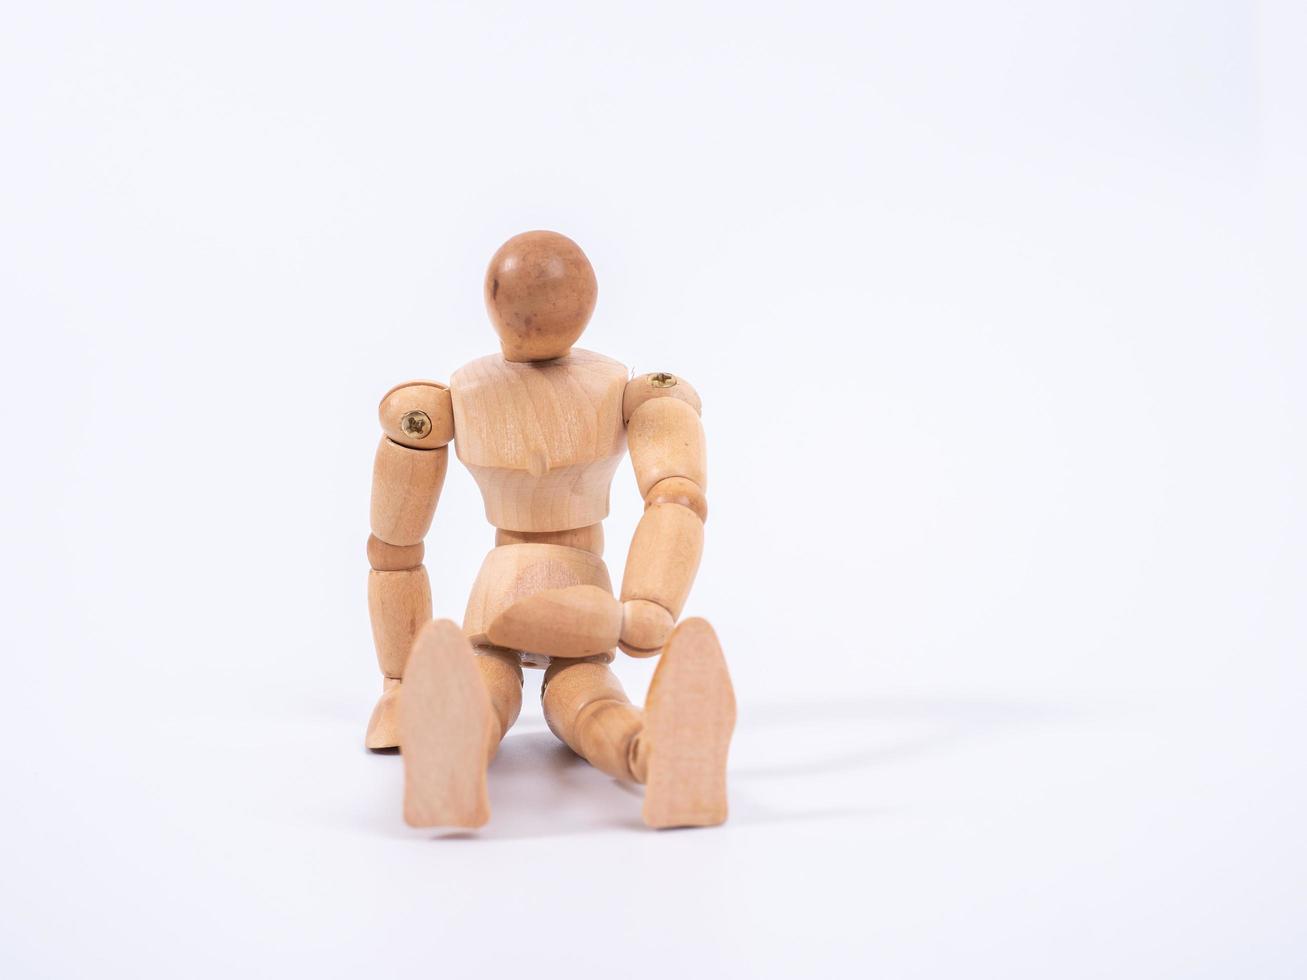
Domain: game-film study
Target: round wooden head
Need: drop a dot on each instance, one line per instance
(540, 292)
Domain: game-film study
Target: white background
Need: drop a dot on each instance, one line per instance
(993, 309)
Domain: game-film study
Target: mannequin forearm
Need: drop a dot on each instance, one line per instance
(664, 557)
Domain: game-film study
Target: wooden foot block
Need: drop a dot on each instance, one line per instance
(688, 719)
(383, 726)
(447, 728)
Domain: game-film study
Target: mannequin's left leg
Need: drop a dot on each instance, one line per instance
(586, 707)
(677, 746)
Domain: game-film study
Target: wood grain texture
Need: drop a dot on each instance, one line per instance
(645, 627)
(501, 672)
(666, 440)
(589, 539)
(585, 706)
(418, 414)
(518, 571)
(664, 557)
(689, 715)
(448, 731)
(542, 427)
(541, 440)
(679, 490)
(660, 384)
(399, 604)
(394, 558)
(577, 621)
(383, 726)
(405, 487)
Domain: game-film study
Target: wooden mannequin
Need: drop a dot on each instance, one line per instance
(542, 427)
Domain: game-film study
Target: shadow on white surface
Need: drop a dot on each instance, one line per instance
(791, 762)
(872, 731)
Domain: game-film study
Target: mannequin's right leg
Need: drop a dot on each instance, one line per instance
(454, 707)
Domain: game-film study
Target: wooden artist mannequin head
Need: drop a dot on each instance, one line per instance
(540, 292)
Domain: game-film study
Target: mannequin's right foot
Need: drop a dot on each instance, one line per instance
(446, 730)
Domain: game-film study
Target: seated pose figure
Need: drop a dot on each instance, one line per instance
(542, 427)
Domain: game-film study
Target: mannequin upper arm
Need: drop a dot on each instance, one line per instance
(667, 442)
(418, 414)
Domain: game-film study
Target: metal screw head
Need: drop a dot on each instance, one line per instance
(415, 424)
(662, 380)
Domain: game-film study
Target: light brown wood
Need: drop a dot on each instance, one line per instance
(666, 439)
(405, 487)
(393, 558)
(399, 604)
(645, 627)
(517, 572)
(541, 440)
(578, 621)
(383, 726)
(542, 427)
(664, 557)
(448, 730)
(689, 716)
(501, 672)
(658, 384)
(418, 414)
(678, 746)
(679, 490)
(668, 454)
(585, 706)
(540, 291)
(572, 495)
(589, 539)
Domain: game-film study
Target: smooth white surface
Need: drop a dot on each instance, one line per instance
(995, 311)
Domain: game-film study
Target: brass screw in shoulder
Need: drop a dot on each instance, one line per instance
(662, 380)
(415, 424)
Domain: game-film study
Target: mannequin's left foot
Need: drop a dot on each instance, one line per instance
(689, 715)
